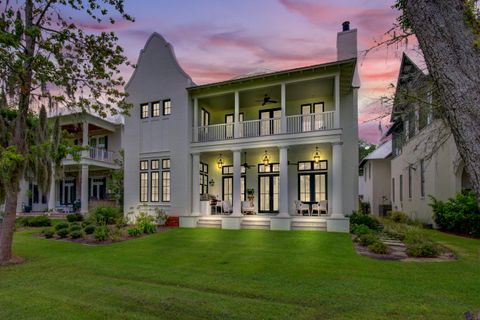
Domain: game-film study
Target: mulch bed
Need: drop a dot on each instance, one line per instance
(397, 252)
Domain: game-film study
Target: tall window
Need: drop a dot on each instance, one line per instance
(393, 189)
(144, 111)
(167, 107)
(227, 183)
(143, 180)
(422, 178)
(156, 109)
(154, 190)
(203, 178)
(401, 188)
(166, 180)
(410, 181)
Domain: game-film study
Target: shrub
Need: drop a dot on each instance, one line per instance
(89, 229)
(101, 233)
(48, 233)
(424, 249)
(63, 232)
(134, 232)
(104, 215)
(460, 214)
(359, 229)
(378, 247)
(365, 219)
(74, 217)
(75, 227)
(395, 230)
(76, 234)
(145, 224)
(37, 221)
(367, 239)
(398, 216)
(62, 225)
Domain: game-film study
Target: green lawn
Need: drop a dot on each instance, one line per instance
(220, 274)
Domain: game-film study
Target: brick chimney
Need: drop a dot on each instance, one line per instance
(346, 42)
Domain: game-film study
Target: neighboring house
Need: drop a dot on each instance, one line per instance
(425, 159)
(376, 179)
(80, 182)
(289, 135)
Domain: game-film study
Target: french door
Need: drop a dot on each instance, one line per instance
(268, 195)
(227, 189)
(97, 188)
(230, 121)
(270, 121)
(313, 118)
(312, 187)
(68, 192)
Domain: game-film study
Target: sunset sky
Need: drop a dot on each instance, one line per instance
(216, 39)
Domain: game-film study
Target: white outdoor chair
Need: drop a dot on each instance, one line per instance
(247, 207)
(301, 207)
(227, 207)
(319, 207)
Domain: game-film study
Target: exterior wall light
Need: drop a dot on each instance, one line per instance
(316, 156)
(220, 161)
(266, 159)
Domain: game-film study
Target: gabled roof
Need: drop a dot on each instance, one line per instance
(382, 152)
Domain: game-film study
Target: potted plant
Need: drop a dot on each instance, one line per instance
(250, 195)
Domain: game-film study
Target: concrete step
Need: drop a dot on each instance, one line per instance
(209, 223)
(255, 223)
(309, 224)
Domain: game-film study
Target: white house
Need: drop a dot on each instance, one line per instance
(80, 182)
(425, 160)
(290, 135)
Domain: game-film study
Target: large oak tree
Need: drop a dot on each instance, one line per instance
(46, 57)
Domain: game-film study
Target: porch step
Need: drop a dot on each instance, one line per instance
(256, 223)
(309, 224)
(209, 222)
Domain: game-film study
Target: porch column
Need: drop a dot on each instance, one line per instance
(195, 120)
(237, 184)
(51, 193)
(86, 152)
(283, 182)
(84, 190)
(236, 126)
(337, 203)
(283, 104)
(196, 184)
(336, 116)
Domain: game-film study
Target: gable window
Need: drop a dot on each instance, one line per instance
(156, 109)
(422, 178)
(144, 111)
(166, 180)
(167, 107)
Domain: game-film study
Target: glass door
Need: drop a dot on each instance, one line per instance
(270, 121)
(229, 120)
(268, 193)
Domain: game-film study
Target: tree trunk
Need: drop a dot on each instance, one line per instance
(7, 227)
(453, 61)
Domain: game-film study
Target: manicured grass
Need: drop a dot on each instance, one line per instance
(248, 274)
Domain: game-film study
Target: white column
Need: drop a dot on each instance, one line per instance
(337, 203)
(336, 119)
(236, 127)
(196, 184)
(283, 182)
(195, 119)
(237, 173)
(84, 189)
(51, 193)
(283, 104)
(86, 152)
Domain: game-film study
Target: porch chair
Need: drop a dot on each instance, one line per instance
(227, 207)
(319, 207)
(302, 208)
(248, 208)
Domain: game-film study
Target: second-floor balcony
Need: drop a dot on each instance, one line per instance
(292, 124)
(101, 154)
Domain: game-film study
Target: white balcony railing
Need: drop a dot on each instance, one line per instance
(265, 127)
(101, 154)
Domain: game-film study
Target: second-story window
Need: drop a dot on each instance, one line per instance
(156, 109)
(144, 111)
(167, 107)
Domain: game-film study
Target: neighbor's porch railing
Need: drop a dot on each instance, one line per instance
(101, 154)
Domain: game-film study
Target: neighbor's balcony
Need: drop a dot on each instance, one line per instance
(99, 154)
(293, 124)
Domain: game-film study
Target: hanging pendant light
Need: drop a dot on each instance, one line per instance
(316, 156)
(266, 159)
(220, 161)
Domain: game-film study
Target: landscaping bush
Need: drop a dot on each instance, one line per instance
(367, 239)
(63, 232)
(74, 217)
(101, 233)
(48, 233)
(75, 227)
(460, 214)
(145, 223)
(104, 215)
(365, 219)
(62, 225)
(36, 221)
(89, 229)
(134, 232)
(423, 249)
(76, 234)
(398, 216)
(378, 247)
(360, 229)
(395, 230)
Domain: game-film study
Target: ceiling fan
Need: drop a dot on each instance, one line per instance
(267, 99)
(245, 164)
